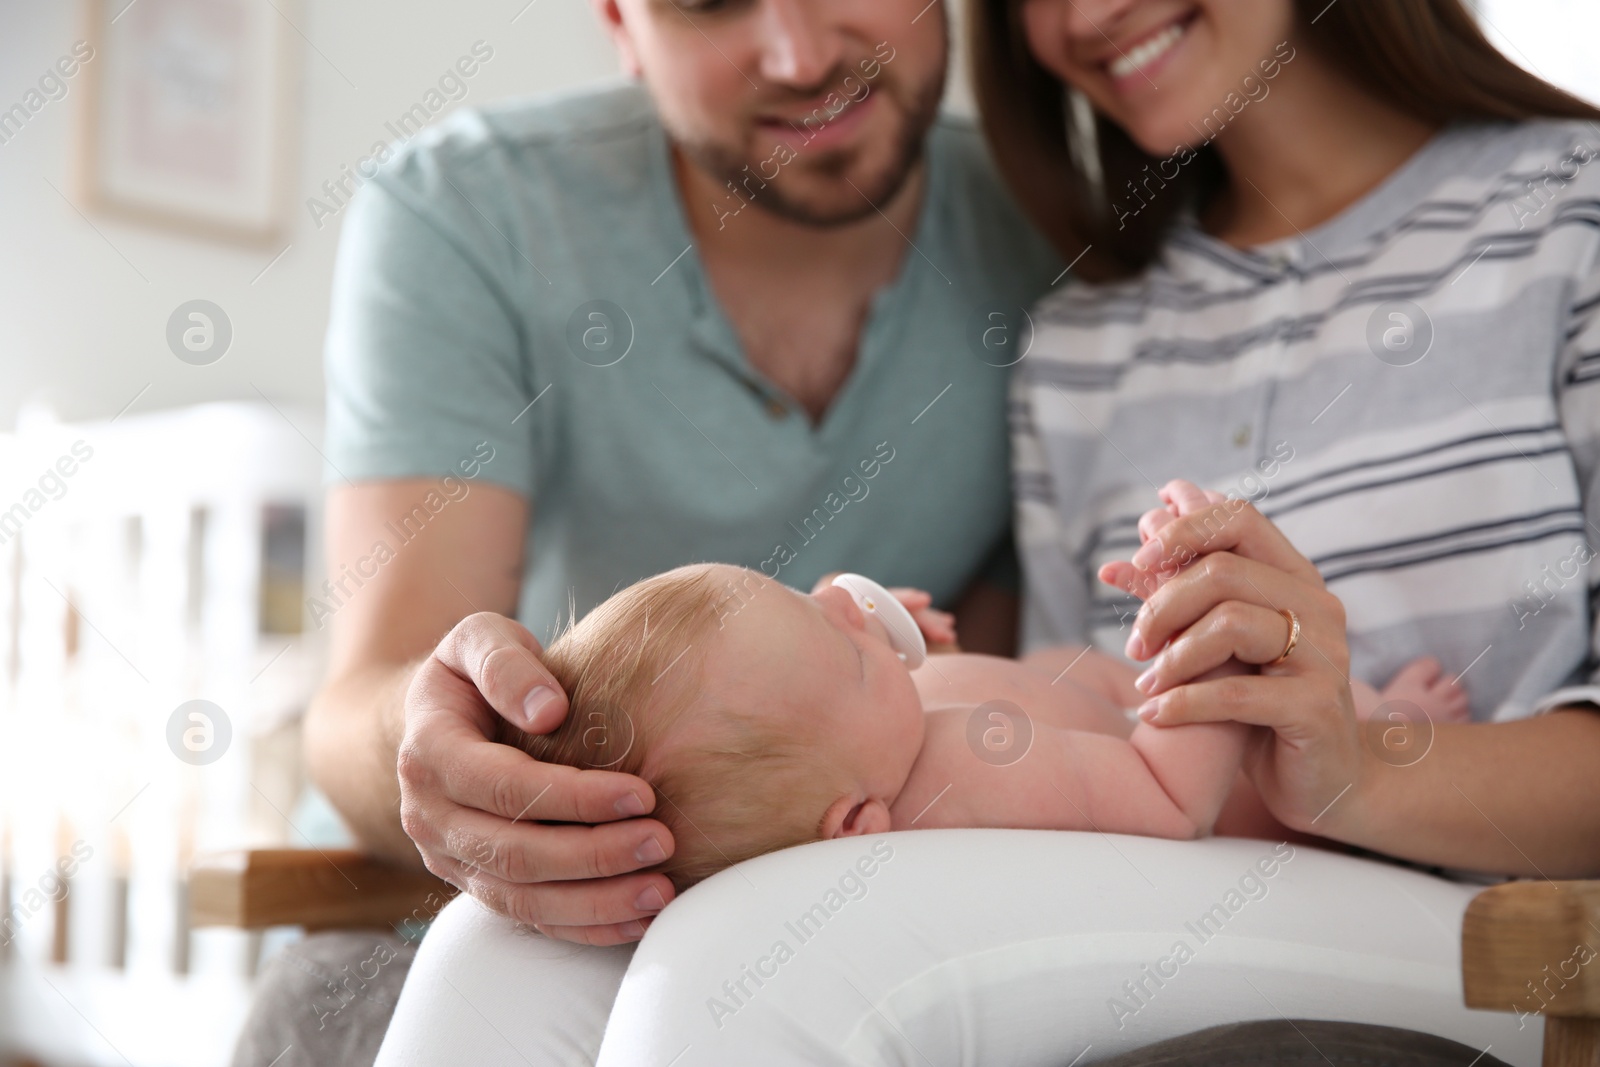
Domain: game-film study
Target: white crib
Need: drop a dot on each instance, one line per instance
(145, 562)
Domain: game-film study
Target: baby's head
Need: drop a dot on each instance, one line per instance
(762, 717)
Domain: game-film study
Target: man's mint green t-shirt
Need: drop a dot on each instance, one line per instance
(520, 283)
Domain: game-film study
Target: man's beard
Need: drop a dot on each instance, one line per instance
(735, 170)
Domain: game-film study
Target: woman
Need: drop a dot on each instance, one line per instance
(1338, 260)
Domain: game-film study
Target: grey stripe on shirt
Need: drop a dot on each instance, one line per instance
(1409, 391)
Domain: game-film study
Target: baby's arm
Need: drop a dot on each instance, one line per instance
(1159, 783)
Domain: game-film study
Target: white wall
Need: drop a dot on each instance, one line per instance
(1555, 39)
(81, 330)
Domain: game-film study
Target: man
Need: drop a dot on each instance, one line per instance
(759, 310)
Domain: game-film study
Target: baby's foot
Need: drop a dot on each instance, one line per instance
(1423, 682)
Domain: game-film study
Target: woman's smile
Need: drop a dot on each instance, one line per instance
(1157, 67)
(1138, 64)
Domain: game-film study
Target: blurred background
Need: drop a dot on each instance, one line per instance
(172, 180)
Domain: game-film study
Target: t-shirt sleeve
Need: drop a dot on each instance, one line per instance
(425, 358)
(1578, 396)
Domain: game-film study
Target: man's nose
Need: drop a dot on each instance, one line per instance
(799, 47)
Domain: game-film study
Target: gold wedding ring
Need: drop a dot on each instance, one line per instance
(1294, 635)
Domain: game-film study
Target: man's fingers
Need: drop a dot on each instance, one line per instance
(600, 936)
(558, 904)
(500, 658)
(526, 852)
(1230, 526)
(508, 782)
(1232, 630)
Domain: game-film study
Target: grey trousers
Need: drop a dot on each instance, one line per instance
(324, 1000)
(328, 1000)
(1304, 1043)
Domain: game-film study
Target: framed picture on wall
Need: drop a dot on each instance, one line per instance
(188, 119)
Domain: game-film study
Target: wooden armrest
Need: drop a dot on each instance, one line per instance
(316, 889)
(1533, 948)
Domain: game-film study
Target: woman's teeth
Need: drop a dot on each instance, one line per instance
(1152, 49)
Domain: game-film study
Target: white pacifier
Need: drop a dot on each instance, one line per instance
(905, 636)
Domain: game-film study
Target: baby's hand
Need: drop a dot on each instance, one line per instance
(938, 627)
(1181, 498)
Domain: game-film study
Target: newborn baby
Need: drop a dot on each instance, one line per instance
(766, 718)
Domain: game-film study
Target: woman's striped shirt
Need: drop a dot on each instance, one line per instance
(1411, 391)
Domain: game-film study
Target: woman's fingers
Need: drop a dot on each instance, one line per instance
(1230, 631)
(1260, 700)
(1187, 597)
(1229, 526)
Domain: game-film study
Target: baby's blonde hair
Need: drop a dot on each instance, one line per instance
(749, 781)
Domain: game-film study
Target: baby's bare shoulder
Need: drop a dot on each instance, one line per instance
(970, 679)
(1011, 688)
(984, 767)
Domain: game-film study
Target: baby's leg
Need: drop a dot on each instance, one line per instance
(1421, 682)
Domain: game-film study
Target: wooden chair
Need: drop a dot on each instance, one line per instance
(313, 888)
(1531, 948)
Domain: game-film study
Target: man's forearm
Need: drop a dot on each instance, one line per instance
(1509, 798)
(352, 734)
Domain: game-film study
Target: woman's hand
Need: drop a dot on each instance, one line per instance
(477, 809)
(1215, 580)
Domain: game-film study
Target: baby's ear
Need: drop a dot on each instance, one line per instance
(851, 816)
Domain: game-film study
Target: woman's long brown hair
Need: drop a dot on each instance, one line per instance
(1428, 58)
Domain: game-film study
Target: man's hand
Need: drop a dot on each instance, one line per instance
(476, 808)
(398, 698)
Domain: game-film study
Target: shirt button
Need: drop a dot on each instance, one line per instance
(776, 408)
(1241, 436)
(1280, 262)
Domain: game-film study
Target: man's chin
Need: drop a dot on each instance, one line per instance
(838, 189)
(823, 189)
(827, 202)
